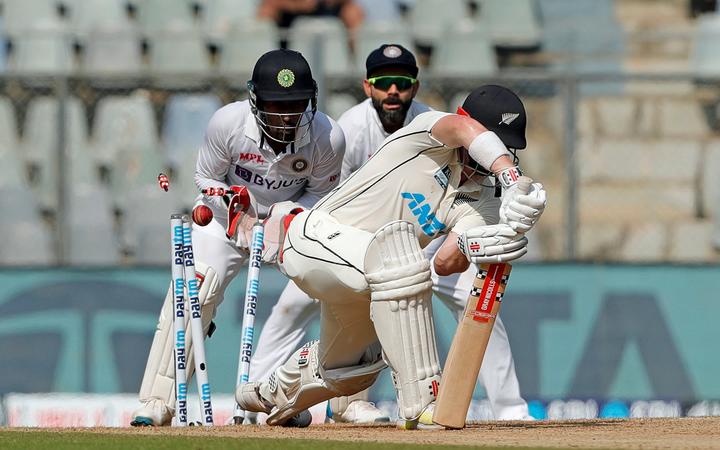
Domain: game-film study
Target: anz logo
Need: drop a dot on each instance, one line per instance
(421, 210)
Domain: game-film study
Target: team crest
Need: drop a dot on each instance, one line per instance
(392, 51)
(299, 165)
(286, 78)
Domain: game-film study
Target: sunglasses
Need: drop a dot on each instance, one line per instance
(401, 82)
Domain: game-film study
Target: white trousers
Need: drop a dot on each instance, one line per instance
(286, 328)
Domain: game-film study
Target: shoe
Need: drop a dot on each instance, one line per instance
(152, 413)
(303, 419)
(251, 418)
(248, 397)
(423, 422)
(358, 412)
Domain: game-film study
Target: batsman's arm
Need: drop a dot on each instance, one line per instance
(483, 145)
(449, 259)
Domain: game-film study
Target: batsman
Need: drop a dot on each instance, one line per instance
(359, 252)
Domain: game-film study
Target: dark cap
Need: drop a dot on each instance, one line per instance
(283, 75)
(391, 55)
(501, 111)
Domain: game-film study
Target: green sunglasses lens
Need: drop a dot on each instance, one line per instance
(384, 83)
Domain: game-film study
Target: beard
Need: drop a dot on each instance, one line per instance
(395, 117)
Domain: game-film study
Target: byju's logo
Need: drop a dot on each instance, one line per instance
(420, 209)
(256, 178)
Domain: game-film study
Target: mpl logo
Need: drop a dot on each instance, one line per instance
(422, 211)
(252, 157)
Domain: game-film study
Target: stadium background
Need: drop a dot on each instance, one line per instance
(610, 314)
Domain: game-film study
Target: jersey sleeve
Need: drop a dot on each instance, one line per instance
(214, 158)
(426, 121)
(474, 210)
(326, 171)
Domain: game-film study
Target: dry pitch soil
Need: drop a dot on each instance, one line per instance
(680, 433)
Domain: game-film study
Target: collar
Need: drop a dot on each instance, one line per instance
(253, 132)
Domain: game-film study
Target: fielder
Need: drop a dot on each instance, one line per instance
(359, 252)
(390, 86)
(281, 148)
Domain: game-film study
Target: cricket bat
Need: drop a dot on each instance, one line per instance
(468, 346)
(470, 341)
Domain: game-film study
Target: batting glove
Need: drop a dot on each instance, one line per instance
(492, 244)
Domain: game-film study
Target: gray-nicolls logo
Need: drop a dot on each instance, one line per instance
(507, 118)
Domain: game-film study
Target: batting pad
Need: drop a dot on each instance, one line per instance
(401, 309)
(302, 382)
(159, 378)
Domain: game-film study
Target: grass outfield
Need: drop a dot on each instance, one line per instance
(50, 440)
(626, 434)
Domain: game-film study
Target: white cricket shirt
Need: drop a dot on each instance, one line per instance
(236, 153)
(413, 177)
(364, 133)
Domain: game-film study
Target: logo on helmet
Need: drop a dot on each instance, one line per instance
(392, 51)
(507, 118)
(286, 78)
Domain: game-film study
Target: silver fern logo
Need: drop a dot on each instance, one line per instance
(507, 118)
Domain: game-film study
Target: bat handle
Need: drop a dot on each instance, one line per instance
(524, 184)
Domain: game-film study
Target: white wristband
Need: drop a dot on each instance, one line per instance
(486, 148)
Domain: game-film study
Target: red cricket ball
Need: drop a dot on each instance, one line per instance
(202, 215)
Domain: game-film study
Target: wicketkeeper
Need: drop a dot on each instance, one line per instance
(284, 151)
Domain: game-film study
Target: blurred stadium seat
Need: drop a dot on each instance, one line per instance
(3, 47)
(511, 24)
(430, 18)
(124, 124)
(88, 15)
(372, 35)
(40, 145)
(330, 37)
(337, 104)
(8, 127)
(584, 36)
(21, 15)
(127, 143)
(382, 11)
(178, 53)
(464, 50)
(221, 16)
(91, 238)
(146, 224)
(41, 50)
(158, 15)
(12, 172)
(243, 45)
(186, 117)
(705, 61)
(113, 51)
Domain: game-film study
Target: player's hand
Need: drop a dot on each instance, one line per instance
(275, 224)
(522, 211)
(492, 244)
